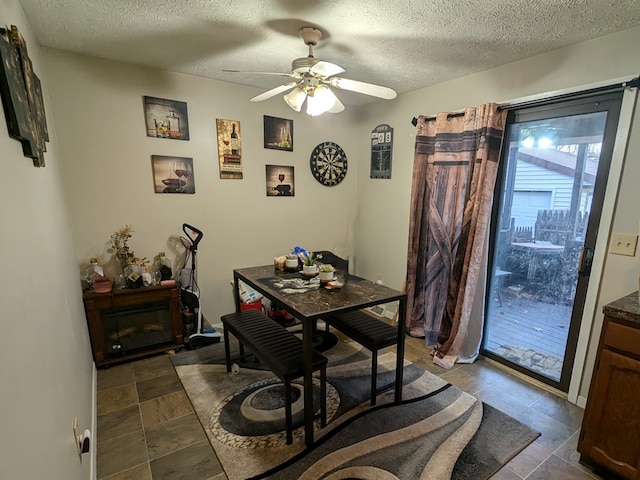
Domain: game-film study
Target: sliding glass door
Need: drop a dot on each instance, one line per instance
(548, 200)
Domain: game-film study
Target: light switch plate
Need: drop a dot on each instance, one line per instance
(623, 244)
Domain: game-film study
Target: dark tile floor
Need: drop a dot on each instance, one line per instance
(147, 429)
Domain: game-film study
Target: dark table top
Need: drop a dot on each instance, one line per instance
(314, 301)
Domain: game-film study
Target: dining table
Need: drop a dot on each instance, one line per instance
(535, 251)
(308, 301)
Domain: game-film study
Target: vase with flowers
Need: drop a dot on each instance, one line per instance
(120, 245)
(140, 267)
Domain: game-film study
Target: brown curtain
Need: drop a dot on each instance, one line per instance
(454, 172)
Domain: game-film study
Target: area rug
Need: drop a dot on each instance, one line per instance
(437, 432)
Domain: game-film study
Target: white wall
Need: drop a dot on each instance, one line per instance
(98, 107)
(383, 222)
(46, 369)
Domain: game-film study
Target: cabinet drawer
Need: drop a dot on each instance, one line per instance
(621, 337)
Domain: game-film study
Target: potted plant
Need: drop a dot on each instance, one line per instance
(291, 263)
(309, 260)
(326, 273)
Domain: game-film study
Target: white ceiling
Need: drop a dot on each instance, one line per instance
(402, 44)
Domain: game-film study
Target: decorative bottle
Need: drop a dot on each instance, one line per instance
(164, 267)
(234, 140)
(93, 270)
(147, 276)
(133, 274)
(173, 124)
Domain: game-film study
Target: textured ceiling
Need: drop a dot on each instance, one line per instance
(402, 44)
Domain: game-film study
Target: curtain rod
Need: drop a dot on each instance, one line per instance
(633, 83)
(414, 121)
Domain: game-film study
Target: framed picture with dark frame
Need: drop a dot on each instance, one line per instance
(280, 181)
(278, 133)
(166, 118)
(173, 174)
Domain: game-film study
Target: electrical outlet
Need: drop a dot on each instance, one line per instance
(82, 441)
(623, 244)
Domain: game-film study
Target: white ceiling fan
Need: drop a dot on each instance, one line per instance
(311, 81)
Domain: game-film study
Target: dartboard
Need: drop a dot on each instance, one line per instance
(328, 163)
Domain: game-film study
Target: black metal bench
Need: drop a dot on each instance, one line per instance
(371, 333)
(280, 350)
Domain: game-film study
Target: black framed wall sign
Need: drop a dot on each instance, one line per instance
(381, 150)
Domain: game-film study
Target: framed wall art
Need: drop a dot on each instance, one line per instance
(381, 149)
(166, 118)
(22, 96)
(280, 181)
(278, 133)
(173, 174)
(229, 148)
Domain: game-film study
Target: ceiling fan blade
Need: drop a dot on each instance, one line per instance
(273, 92)
(362, 87)
(278, 74)
(326, 69)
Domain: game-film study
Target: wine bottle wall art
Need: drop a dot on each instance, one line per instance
(280, 181)
(229, 148)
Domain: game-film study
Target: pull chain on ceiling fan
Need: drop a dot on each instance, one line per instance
(312, 79)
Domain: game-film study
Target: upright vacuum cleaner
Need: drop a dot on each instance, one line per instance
(190, 292)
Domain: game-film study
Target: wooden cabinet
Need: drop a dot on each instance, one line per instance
(131, 323)
(610, 436)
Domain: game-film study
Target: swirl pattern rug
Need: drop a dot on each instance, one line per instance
(437, 432)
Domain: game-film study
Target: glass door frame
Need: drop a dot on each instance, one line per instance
(553, 108)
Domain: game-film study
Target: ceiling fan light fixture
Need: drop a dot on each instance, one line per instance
(313, 79)
(295, 98)
(322, 100)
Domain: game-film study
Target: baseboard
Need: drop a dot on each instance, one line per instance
(581, 401)
(94, 425)
(526, 378)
